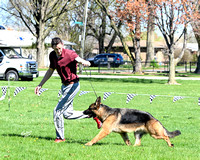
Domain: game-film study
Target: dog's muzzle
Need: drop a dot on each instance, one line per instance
(89, 113)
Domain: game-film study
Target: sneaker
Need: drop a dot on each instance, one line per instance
(99, 123)
(58, 140)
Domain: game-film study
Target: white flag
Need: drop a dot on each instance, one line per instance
(18, 89)
(4, 90)
(41, 90)
(106, 95)
(152, 97)
(83, 92)
(129, 97)
(176, 98)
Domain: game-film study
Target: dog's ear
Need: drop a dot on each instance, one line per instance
(98, 101)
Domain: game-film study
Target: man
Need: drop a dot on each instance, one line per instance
(65, 62)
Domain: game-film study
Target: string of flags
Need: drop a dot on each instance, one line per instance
(130, 96)
(4, 91)
(17, 90)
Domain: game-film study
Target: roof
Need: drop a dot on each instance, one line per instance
(157, 44)
(15, 38)
(191, 46)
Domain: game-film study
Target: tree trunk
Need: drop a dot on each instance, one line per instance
(196, 29)
(150, 39)
(40, 54)
(102, 33)
(101, 45)
(40, 46)
(138, 65)
(197, 70)
(150, 47)
(172, 65)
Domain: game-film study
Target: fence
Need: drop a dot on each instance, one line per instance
(160, 67)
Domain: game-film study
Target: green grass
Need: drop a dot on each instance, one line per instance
(27, 130)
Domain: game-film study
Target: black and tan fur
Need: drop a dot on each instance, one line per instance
(123, 121)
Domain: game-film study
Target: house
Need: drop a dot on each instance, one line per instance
(159, 46)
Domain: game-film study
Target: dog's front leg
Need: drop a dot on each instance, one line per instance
(104, 132)
(106, 129)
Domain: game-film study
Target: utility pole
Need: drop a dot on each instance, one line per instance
(83, 35)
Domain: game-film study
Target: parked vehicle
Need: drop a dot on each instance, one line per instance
(12, 64)
(105, 59)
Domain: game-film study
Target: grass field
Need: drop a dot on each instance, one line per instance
(27, 130)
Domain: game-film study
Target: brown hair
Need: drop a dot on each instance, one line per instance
(55, 41)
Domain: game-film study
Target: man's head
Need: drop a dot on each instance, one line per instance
(57, 45)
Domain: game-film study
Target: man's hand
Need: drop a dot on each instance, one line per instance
(37, 89)
(86, 63)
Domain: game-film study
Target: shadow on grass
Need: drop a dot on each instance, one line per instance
(19, 135)
(126, 80)
(96, 144)
(67, 140)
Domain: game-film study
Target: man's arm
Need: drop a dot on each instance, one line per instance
(47, 75)
(82, 61)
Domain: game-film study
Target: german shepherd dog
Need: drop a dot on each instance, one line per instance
(123, 121)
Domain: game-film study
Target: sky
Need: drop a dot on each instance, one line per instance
(2, 13)
(3, 20)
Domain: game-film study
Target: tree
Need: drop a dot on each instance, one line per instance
(40, 17)
(195, 23)
(134, 14)
(171, 20)
(129, 13)
(117, 31)
(99, 26)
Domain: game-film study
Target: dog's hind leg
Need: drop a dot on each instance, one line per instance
(157, 131)
(166, 138)
(125, 138)
(138, 135)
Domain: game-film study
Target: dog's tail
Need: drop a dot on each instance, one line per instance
(173, 134)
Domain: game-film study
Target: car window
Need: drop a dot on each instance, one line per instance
(10, 53)
(100, 56)
(1, 57)
(111, 55)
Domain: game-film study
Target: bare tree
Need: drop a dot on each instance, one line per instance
(170, 19)
(135, 31)
(40, 17)
(99, 26)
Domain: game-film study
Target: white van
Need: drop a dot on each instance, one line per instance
(12, 64)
